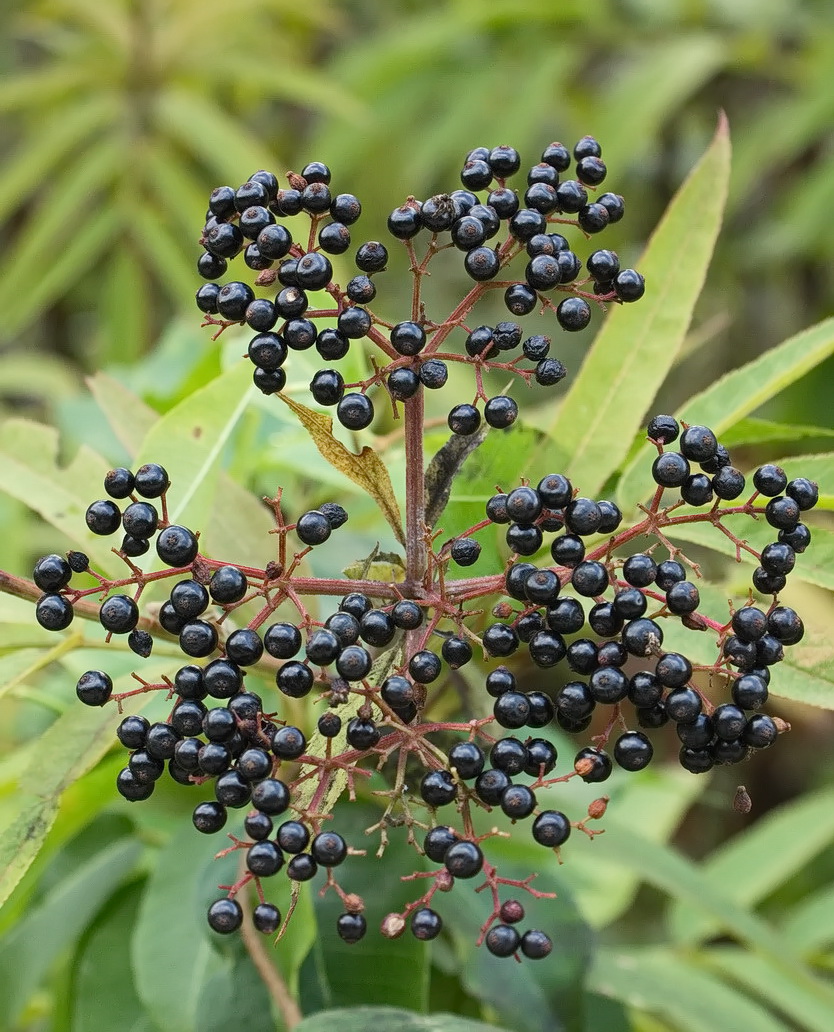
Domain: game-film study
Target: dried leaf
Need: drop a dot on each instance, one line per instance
(444, 467)
(365, 468)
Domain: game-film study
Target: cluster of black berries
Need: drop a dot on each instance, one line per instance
(219, 733)
(552, 264)
(177, 547)
(254, 759)
(258, 211)
(624, 629)
(720, 480)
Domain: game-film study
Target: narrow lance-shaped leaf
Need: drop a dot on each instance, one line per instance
(736, 395)
(638, 343)
(365, 468)
(767, 983)
(756, 862)
(660, 983)
(72, 746)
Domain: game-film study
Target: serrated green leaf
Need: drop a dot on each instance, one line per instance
(814, 566)
(767, 982)
(693, 1001)
(637, 345)
(807, 673)
(31, 947)
(758, 860)
(70, 747)
(735, 396)
(388, 1019)
(743, 390)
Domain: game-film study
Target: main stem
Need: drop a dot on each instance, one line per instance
(416, 556)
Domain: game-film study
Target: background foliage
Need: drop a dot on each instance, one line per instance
(117, 119)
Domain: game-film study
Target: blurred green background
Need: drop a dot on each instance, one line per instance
(116, 120)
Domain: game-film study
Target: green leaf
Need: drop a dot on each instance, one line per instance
(17, 667)
(530, 997)
(656, 803)
(164, 250)
(364, 468)
(33, 945)
(653, 980)
(29, 471)
(104, 999)
(37, 286)
(197, 123)
(67, 750)
(378, 968)
(56, 139)
(682, 880)
(637, 345)
(759, 860)
(810, 925)
(744, 390)
(43, 87)
(125, 308)
(130, 418)
(318, 745)
(766, 981)
(815, 565)
(819, 467)
(234, 997)
(173, 958)
(760, 431)
(388, 1019)
(807, 673)
(735, 396)
(24, 373)
(190, 439)
(655, 82)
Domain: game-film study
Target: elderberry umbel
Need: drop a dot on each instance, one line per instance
(574, 596)
(510, 237)
(291, 691)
